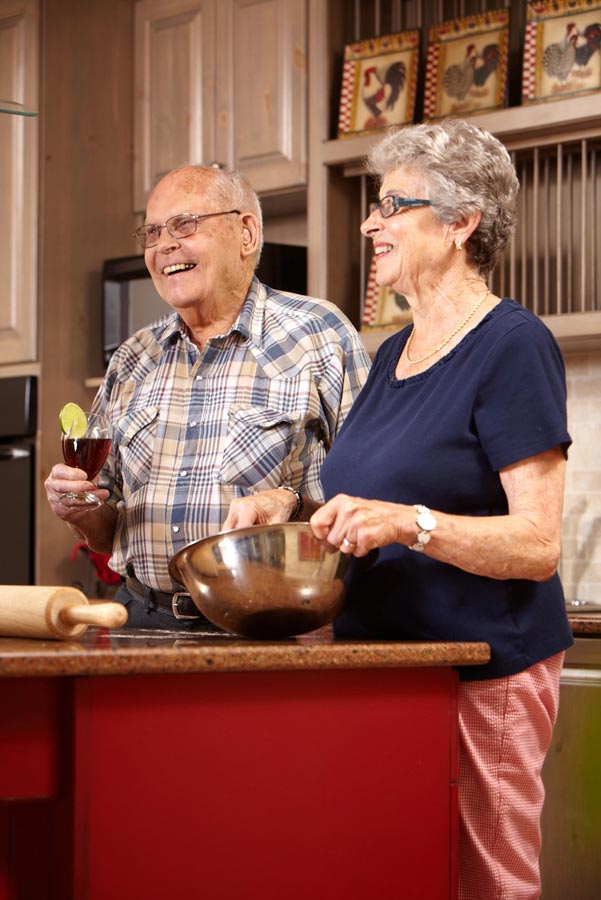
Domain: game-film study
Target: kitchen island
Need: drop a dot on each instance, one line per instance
(142, 764)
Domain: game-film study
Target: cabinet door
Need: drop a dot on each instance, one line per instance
(18, 182)
(174, 96)
(261, 91)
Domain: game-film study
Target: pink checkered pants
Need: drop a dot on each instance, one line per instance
(505, 727)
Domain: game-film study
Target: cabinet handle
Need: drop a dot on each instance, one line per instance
(13, 453)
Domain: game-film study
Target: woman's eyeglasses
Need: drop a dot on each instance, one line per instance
(392, 204)
(181, 226)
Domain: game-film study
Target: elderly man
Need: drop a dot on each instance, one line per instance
(240, 388)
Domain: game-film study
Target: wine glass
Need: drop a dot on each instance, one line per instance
(88, 452)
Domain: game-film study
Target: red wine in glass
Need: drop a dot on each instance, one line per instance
(89, 453)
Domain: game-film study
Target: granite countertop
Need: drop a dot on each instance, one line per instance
(585, 623)
(138, 651)
(130, 651)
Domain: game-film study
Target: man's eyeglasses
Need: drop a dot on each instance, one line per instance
(392, 204)
(180, 226)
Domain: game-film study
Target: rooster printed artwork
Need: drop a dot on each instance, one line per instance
(380, 90)
(466, 65)
(562, 50)
(378, 83)
(474, 71)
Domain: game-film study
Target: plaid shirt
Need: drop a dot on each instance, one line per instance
(195, 428)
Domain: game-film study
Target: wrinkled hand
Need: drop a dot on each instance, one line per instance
(64, 478)
(357, 526)
(266, 508)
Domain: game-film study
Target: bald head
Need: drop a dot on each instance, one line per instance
(219, 189)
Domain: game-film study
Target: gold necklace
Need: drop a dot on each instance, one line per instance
(415, 362)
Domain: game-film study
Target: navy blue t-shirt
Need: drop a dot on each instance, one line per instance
(440, 438)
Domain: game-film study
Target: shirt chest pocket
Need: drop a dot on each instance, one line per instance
(136, 438)
(258, 447)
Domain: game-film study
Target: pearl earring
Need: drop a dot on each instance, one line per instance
(458, 244)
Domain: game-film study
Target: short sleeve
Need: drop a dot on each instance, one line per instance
(521, 403)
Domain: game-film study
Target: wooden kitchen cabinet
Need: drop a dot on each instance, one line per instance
(174, 96)
(18, 181)
(571, 821)
(220, 81)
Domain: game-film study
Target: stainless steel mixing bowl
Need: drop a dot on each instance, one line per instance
(267, 581)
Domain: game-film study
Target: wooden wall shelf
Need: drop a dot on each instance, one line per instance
(336, 193)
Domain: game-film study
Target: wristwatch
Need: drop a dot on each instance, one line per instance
(426, 524)
(299, 500)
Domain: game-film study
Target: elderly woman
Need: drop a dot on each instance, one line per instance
(452, 463)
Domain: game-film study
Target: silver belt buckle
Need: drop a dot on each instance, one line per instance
(175, 610)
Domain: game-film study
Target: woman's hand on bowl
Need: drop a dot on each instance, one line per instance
(358, 526)
(266, 508)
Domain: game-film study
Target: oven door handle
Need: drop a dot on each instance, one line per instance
(13, 453)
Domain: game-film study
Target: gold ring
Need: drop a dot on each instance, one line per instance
(347, 543)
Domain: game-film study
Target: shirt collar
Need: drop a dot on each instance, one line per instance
(249, 322)
(172, 329)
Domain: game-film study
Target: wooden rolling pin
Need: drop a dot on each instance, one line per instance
(53, 612)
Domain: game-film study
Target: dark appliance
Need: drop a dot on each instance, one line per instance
(18, 425)
(129, 300)
(284, 267)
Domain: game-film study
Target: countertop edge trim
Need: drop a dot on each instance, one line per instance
(146, 661)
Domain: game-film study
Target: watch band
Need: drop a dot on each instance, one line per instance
(426, 523)
(299, 500)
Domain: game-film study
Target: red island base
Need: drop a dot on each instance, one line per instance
(337, 784)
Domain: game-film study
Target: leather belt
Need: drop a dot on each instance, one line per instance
(179, 604)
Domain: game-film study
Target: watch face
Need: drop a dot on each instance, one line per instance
(426, 521)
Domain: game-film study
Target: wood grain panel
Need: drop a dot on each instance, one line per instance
(18, 182)
(261, 120)
(174, 89)
(86, 116)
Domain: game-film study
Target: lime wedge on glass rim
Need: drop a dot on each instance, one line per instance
(73, 420)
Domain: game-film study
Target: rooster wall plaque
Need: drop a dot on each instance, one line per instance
(378, 83)
(562, 50)
(466, 66)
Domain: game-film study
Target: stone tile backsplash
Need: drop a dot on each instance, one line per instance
(581, 550)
